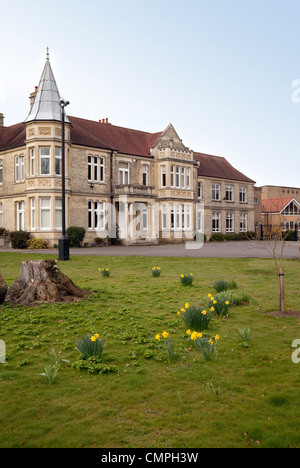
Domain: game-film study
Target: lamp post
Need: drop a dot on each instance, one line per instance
(64, 243)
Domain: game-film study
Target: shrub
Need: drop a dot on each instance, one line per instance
(220, 304)
(223, 285)
(76, 235)
(288, 236)
(104, 272)
(4, 232)
(90, 346)
(19, 239)
(156, 271)
(37, 244)
(187, 280)
(195, 317)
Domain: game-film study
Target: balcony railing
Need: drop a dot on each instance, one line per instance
(141, 190)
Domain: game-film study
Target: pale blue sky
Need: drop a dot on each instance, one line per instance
(220, 70)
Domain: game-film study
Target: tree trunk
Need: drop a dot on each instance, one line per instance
(282, 307)
(3, 289)
(42, 281)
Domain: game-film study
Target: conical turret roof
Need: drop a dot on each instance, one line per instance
(46, 104)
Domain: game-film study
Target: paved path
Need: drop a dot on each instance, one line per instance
(234, 249)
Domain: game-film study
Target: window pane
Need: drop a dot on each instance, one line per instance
(45, 166)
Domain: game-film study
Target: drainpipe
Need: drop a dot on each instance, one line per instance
(111, 192)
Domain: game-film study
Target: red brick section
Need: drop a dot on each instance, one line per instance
(275, 205)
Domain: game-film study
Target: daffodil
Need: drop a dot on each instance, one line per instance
(188, 332)
(203, 312)
(157, 337)
(227, 302)
(217, 338)
(165, 334)
(187, 306)
(212, 309)
(93, 338)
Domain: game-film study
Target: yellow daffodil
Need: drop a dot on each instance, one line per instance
(165, 334)
(217, 338)
(187, 306)
(209, 295)
(93, 338)
(182, 276)
(203, 312)
(179, 313)
(214, 302)
(227, 302)
(212, 309)
(212, 298)
(157, 337)
(211, 341)
(96, 335)
(188, 332)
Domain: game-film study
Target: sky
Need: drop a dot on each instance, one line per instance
(225, 73)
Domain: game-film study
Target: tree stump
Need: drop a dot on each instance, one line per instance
(3, 289)
(42, 281)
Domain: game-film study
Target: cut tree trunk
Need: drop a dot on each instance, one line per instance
(3, 289)
(42, 281)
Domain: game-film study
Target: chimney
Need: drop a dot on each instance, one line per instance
(104, 121)
(1, 120)
(32, 96)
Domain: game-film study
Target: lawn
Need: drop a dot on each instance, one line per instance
(247, 397)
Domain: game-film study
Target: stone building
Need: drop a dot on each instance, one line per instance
(153, 187)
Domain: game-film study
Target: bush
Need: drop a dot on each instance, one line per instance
(19, 239)
(223, 285)
(288, 236)
(221, 304)
(37, 244)
(219, 237)
(156, 271)
(76, 235)
(187, 280)
(195, 317)
(105, 272)
(4, 232)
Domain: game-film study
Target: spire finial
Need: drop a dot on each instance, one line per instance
(47, 55)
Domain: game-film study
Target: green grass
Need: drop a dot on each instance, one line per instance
(248, 397)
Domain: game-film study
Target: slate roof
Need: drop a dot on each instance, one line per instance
(218, 167)
(46, 104)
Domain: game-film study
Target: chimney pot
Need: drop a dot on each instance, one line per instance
(1, 120)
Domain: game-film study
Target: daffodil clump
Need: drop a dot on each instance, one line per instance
(187, 280)
(195, 317)
(220, 304)
(105, 272)
(166, 344)
(156, 271)
(207, 346)
(90, 346)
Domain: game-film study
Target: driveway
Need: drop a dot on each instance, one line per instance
(234, 249)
